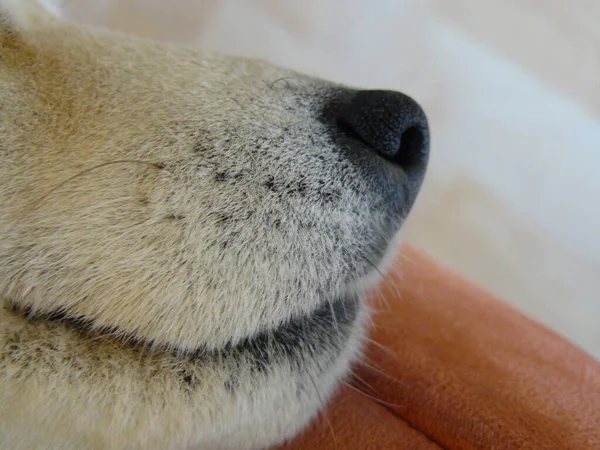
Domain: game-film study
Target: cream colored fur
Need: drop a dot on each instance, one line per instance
(157, 214)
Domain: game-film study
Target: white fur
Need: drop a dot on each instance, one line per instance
(177, 210)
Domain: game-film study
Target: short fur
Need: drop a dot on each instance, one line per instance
(183, 244)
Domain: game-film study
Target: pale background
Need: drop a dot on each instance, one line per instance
(512, 90)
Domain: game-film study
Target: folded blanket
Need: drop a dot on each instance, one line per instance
(452, 367)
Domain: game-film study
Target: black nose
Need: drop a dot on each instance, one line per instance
(390, 123)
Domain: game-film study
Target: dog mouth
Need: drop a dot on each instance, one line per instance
(300, 337)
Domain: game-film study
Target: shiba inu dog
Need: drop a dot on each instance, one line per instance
(185, 238)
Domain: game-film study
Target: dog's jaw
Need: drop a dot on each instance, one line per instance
(249, 396)
(187, 239)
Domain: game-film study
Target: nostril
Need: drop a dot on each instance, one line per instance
(412, 148)
(389, 123)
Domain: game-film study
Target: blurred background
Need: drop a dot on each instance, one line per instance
(512, 90)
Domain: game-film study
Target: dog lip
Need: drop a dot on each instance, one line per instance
(292, 336)
(284, 343)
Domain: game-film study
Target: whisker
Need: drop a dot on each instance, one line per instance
(91, 169)
(380, 298)
(323, 411)
(382, 347)
(286, 79)
(375, 399)
(367, 385)
(374, 266)
(333, 316)
(377, 290)
(367, 362)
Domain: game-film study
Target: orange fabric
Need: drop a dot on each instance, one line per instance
(453, 367)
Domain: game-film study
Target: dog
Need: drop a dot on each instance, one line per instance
(186, 238)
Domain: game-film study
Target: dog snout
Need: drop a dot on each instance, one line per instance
(389, 123)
